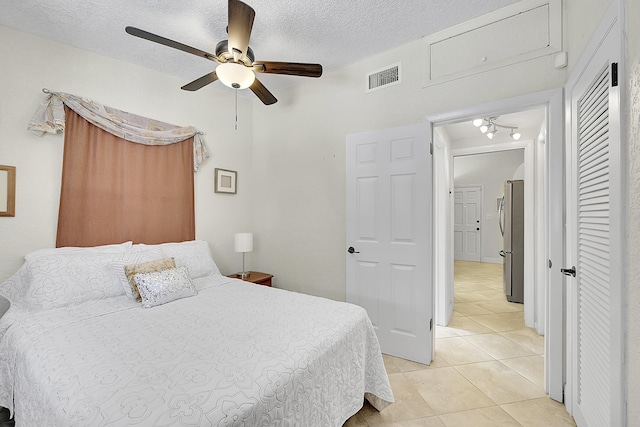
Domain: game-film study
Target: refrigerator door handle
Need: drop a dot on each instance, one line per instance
(500, 217)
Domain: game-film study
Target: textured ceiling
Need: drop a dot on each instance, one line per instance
(333, 33)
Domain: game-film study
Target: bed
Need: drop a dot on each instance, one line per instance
(78, 349)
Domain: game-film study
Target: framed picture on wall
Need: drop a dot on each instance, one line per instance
(7, 190)
(225, 181)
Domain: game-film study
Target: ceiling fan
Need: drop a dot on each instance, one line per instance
(236, 59)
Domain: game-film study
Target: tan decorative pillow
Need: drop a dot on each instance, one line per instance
(129, 258)
(146, 267)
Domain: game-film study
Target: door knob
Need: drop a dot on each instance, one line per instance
(352, 251)
(568, 271)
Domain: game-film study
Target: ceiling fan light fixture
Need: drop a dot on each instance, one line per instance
(235, 76)
(478, 122)
(235, 56)
(515, 135)
(484, 128)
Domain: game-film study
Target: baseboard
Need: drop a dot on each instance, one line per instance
(496, 260)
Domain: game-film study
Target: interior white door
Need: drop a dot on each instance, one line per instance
(467, 212)
(389, 214)
(594, 237)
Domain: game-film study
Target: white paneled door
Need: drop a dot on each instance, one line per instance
(467, 213)
(389, 253)
(594, 236)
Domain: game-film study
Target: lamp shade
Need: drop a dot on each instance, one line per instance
(243, 242)
(235, 75)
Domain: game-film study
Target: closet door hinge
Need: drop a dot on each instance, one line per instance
(431, 324)
(614, 74)
(431, 148)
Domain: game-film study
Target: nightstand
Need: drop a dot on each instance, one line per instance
(256, 277)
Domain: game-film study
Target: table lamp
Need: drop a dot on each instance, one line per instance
(243, 242)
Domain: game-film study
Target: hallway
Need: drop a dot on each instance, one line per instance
(488, 369)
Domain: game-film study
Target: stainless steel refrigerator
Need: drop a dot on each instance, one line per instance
(512, 229)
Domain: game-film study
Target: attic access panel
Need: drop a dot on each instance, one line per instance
(513, 34)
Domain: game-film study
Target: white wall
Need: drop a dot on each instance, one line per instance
(581, 18)
(632, 116)
(490, 170)
(299, 154)
(519, 173)
(29, 64)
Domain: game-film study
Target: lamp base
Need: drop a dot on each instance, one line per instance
(243, 275)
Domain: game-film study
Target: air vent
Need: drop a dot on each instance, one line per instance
(385, 77)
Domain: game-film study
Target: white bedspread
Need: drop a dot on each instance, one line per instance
(236, 354)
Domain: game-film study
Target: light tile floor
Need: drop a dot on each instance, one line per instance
(488, 369)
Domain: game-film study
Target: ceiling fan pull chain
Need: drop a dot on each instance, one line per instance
(236, 109)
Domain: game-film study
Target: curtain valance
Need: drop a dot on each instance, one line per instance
(50, 118)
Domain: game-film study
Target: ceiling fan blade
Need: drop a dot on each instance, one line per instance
(263, 93)
(241, 18)
(168, 42)
(201, 82)
(289, 68)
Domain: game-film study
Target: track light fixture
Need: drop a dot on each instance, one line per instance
(489, 127)
(492, 132)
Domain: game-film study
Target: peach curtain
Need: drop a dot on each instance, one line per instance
(114, 190)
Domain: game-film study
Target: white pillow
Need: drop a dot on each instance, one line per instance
(116, 248)
(132, 257)
(193, 254)
(51, 281)
(164, 286)
(14, 288)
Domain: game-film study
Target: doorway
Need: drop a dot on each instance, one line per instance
(543, 152)
(478, 188)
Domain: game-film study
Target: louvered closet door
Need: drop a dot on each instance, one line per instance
(596, 246)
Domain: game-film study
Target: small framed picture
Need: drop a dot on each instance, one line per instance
(7, 190)
(225, 181)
